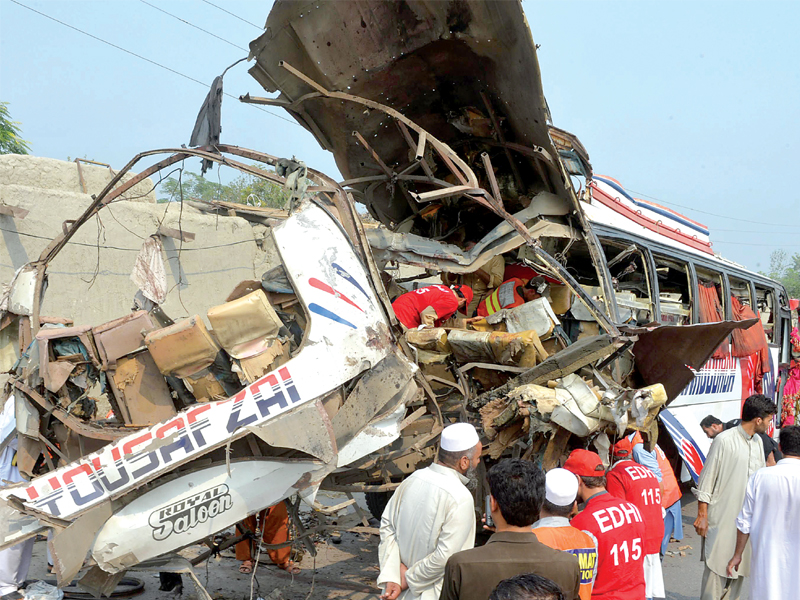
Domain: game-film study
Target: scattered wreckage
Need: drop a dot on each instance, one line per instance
(305, 380)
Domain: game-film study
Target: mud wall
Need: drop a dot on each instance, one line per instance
(94, 287)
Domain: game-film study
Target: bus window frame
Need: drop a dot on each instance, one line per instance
(725, 300)
(691, 279)
(776, 316)
(750, 287)
(649, 271)
(726, 290)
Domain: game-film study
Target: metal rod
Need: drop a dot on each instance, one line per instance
(502, 139)
(487, 164)
(384, 167)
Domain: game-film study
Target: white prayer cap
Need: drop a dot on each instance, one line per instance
(459, 437)
(561, 487)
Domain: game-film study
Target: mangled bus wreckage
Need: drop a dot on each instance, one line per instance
(305, 380)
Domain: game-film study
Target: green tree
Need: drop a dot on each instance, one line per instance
(245, 189)
(786, 269)
(10, 141)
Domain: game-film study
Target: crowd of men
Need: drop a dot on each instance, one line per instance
(541, 547)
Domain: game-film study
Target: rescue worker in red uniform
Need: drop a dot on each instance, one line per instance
(670, 490)
(431, 305)
(618, 527)
(511, 293)
(554, 530)
(628, 480)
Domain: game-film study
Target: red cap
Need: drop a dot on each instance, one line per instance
(585, 463)
(623, 449)
(466, 291)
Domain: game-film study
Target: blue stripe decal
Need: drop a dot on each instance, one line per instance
(316, 308)
(689, 451)
(345, 275)
(655, 209)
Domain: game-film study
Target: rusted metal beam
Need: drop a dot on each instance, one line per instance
(487, 165)
(176, 234)
(502, 139)
(14, 212)
(73, 423)
(384, 167)
(410, 141)
(456, 190)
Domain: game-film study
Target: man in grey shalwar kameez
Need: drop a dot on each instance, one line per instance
(734, 456)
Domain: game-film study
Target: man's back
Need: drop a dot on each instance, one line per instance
(473, 574)
(429, 517)
(769, 515)
(620, 532)
(639, 486)
(557, 533)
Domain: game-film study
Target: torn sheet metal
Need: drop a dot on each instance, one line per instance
(69, 546)
(22, 290)
(416, 250)
(671, 353)
(373, 437)
(356, 330)
(380, 390)
(307, 429)
(195, 506)
(434, 61)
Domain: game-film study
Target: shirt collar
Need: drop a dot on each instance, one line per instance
(597, 495)
(743, 433)
(449, 471)
(514, 537)
(553, 522)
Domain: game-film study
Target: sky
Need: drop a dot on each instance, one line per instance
(693, 104)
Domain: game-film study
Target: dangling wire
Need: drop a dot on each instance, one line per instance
(257, 540)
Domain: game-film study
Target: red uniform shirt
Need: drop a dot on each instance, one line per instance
(619, 529)
(638, 485)
(408, 306)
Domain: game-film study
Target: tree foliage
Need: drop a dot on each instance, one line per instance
(10, 140)
(786, 269)
(245, 189)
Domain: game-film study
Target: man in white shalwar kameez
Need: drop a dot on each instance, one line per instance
(770, 518)
(735, 455)
(14, 561)
(430, 517)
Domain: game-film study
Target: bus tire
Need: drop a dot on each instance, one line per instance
(376, 502)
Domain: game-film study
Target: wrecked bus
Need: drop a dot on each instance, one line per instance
(304, 380)
(467, 72)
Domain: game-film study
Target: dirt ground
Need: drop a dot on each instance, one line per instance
(348, 570)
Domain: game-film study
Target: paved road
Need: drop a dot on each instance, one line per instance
(682, 574)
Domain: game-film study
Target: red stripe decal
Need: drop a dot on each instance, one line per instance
(648, 223)
(321, 285)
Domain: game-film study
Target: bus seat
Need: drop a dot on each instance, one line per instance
(187, 350)
(142, 394)
(247, 326)
(122, 336)
(497, 347)
(248, 329)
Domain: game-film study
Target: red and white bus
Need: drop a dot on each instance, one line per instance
(677, 279)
